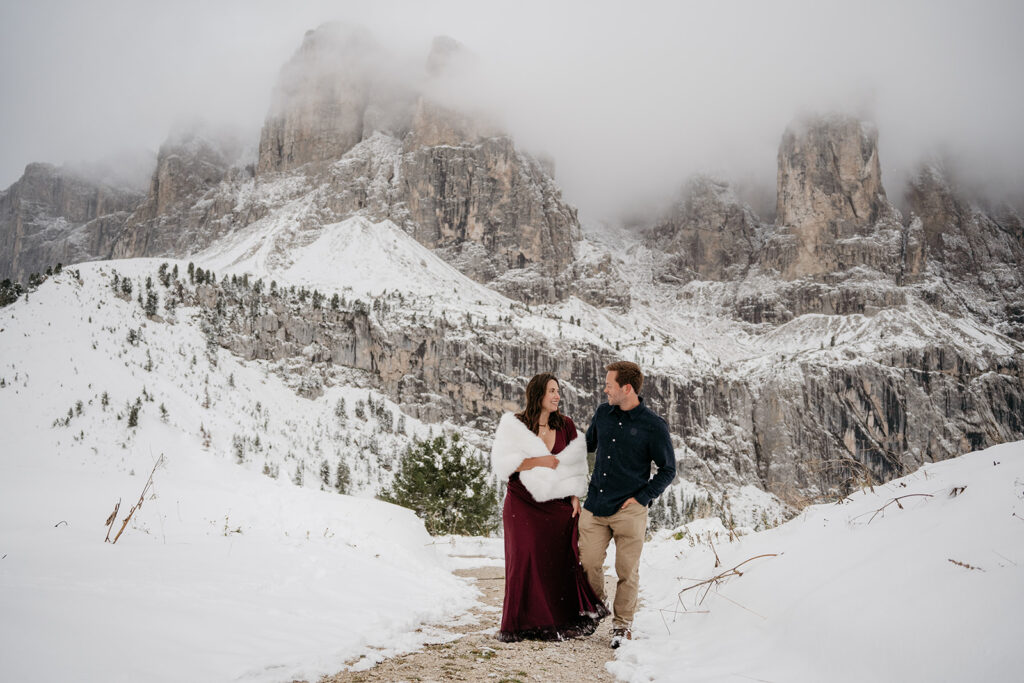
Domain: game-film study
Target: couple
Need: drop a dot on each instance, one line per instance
(554, 589)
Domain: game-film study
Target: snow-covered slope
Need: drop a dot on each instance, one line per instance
(919, 579)
(228, 571)
(356, 255)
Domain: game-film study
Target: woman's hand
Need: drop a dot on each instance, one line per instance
(575, 506)
(543, 461)
(546, 461)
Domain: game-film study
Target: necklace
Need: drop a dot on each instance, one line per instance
(544, 428)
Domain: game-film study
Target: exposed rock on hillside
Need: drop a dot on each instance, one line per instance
(335, 91)
(709, 234)
(865, 407)
(52, 215)
(193, 197)
(349, 136)
(488, 209)
(832, 209)
(983, 251)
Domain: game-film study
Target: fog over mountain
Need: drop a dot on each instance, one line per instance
(628, 103)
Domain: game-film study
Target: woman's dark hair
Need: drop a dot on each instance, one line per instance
(535, 391)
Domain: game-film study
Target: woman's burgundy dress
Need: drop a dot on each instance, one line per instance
(547, 596)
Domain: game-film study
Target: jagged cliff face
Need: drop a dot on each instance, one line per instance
(834, 406)
(884, 395)
(347, 135)
(192, 198)
(53, 216)
(832, 211)
(333, 93)
(709, 234)
(478, 205)
(980, 251)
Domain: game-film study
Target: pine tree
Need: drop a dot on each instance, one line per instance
(342, 477)
(448, 489)
(151, 303)
(325, 475)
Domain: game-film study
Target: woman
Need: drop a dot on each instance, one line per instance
(547, 596)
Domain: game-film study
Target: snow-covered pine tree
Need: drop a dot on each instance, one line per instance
(447, 488)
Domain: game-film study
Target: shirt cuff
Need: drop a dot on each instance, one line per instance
(643, 498)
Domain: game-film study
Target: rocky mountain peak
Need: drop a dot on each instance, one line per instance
(967, 243)
(708, 232)
(829, 176)
(56, 215)
(829, 189)
(334, 92)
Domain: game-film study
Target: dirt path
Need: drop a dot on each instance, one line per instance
(478, 656)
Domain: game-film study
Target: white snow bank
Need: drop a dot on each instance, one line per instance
(223, 573)
(929, 592)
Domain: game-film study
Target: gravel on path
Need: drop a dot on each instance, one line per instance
(476, 655)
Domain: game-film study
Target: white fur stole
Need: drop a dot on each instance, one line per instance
(513, 442)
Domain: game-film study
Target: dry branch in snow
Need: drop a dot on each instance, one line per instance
(142, 498)
(896, 500)
(714, 580)
(110, 520)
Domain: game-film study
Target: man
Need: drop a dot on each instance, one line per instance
(628, 437)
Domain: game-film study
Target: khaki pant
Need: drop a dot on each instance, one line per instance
(628, 527)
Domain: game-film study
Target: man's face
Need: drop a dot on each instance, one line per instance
(612, 390)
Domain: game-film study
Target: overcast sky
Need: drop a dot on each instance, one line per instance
(628, 98)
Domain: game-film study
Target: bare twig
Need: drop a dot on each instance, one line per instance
(718, 562)
(676, 613)
(142, 498)
(735, 571)
(63, 521)
(1018, 516)
(739, 605)
(110, 520)
(1005, 558)
(896, 500)
(965, 565)
(956, 491)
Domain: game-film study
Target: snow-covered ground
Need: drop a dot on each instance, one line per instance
(244, 563)
(229, 570)
(926, 588)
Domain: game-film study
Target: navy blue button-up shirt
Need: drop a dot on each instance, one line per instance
(627, 442)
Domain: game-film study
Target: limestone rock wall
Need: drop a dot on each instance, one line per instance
(799, 426)
(334, 91)
(981, 251)
(52, 216)
(193, 198)
(709, 233)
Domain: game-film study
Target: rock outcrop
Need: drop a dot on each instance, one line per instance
(832, 210)
(334, 92)
(193, 197)
(351, 136)
(981, 251)
(799, 424)
(52, 215)
(709, 234)
(488, 209)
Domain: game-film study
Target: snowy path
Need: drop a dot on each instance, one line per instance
(475, 655)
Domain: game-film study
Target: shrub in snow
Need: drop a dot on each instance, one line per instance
(446, 488)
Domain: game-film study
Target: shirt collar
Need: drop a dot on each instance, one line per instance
(635, 412)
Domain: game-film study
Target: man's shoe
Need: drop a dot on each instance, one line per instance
(620, 635)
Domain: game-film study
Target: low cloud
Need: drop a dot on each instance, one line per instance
(628, 100)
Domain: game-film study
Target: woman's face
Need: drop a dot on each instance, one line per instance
(551, 397)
